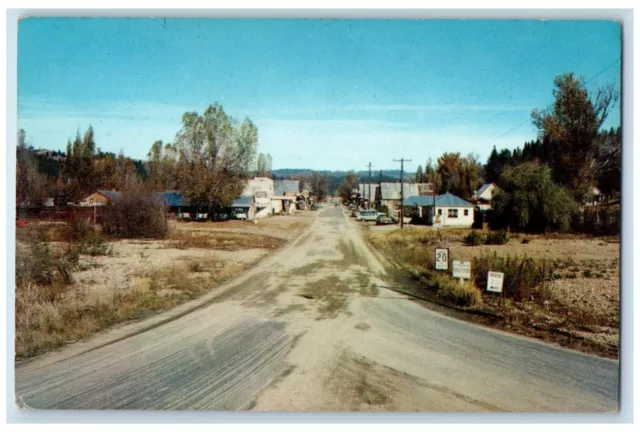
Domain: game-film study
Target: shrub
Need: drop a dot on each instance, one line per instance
(37, 264)
(453, 292)
(587, 273)
(521, 274)
(137, 214)
(474, 239)
(94, 244)
(496, 238)
(384, 209)
(526, 240)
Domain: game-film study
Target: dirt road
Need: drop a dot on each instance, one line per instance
(311, 328)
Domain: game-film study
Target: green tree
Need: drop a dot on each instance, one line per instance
(31, 185)
(347, 185)
(609, 160)
(449, 174)
(571, 126)
(529, 200)
(419, 177)
(470, 171)
(213, 156)
(263, 165)
(429, 175)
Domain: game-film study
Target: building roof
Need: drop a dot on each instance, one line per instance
(243, 201)
(282, 187)
(111, 195)
(363, 188)
(172, 198)
(450, 200)
(418, 201)
(483, 189)
(391, 191)
(444, 200)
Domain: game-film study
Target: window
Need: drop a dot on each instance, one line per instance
(453, 213)
(466, 212)
(439, 212)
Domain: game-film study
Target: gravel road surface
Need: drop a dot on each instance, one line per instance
(311, 328)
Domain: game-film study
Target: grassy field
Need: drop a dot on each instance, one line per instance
(67, 289)
(563, 287)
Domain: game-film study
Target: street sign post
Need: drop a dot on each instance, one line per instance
(442, 259)
(462, 270)
(495, 281)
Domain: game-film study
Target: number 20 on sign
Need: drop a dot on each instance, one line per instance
(442, 259)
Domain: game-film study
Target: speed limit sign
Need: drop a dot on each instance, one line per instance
(442, 259)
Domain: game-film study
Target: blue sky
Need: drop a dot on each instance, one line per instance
(325, 94)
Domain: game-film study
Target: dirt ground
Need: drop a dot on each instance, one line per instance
(315, 326)
(136, 278)
(582, 302)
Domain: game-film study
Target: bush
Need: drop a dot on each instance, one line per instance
(526, 240)
(137, 214)
(451, 291)
(37, 264)
(521, 274)
(496, 238)
(94, 244)
(493, 238)
(384, 209)
(474, 239)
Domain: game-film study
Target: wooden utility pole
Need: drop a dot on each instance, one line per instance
(369, 199)
(380, 188)
(402, 161)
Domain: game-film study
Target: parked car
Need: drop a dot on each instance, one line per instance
(240, 214)
(369, 215)
(385, 220)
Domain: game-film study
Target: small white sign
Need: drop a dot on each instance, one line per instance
(462, 269)
(442, 259)
(495, 281)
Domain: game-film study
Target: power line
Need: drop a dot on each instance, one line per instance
(487, 93)
(552, 103)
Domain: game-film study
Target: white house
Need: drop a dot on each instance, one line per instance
(450, 210)
(484, 195)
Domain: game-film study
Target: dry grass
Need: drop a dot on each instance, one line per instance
(42, 324)
(109, 283)
(182, 239)
(576, 297)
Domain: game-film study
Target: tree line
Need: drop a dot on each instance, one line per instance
(543, 183)
(210, 159)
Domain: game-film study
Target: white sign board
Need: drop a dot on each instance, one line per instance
(462, 269)
(495, 281)
(442, 259)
